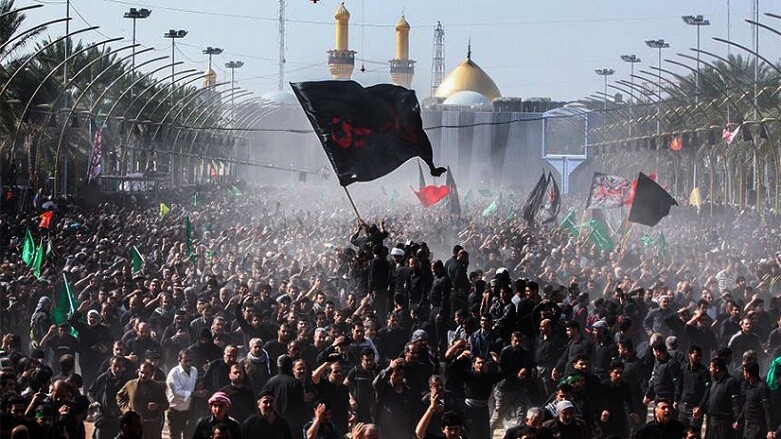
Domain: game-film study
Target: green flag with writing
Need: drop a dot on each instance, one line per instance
(136, 259)
(568, 223)
(64, 305)
(599, 234)
(28, 250)
(38, 260)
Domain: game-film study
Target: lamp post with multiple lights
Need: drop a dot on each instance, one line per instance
(699, 21)
(605, 73)
(174, 35)
(658, 45)
(233, 65)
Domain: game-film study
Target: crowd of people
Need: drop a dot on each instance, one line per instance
(280, 316)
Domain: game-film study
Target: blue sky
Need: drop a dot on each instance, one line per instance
(531, 48)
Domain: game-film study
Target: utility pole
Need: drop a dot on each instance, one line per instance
(174, 35)
(233, 65)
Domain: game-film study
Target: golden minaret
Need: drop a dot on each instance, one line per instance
(402, 68)
(341, 60)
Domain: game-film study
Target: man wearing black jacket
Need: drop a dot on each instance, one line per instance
(665, 382)
(696, 379)
(721, 402)
(379, 280)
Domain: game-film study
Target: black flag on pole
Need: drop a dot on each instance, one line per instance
(651, 202)
(535, 200)
(366, 132)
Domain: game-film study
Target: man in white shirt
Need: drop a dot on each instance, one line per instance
(179, 387)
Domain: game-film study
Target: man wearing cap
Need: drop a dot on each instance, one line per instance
(94, 341)
(565, 424)
(605, 351)
(219, 405)
(146, 397)
(268, 424)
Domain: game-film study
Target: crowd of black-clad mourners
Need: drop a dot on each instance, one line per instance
(284, 317)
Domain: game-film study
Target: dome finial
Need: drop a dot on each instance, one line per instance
(469, 50)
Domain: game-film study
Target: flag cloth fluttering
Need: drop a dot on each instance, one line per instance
(64, 305)
(694, 198)
(728, 135)
(236, 192)
(431, 195)
(97, 151)
(599, 234)
(568, 222)
(663, 252)
(46, 219)
(676, 143)
(551, 201)
(136, 259)
(491, 208)
(455, 203)
(421, 178)
(188, 237)
(28, 249)
(365, 132)
(535, 200)
(651, 202)
(164, 210)
(607, 191)
(38, 260)
(631, 196)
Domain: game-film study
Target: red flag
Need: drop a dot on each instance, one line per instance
(431, 194)
(676, 143)
(631, 196)
(46, 219)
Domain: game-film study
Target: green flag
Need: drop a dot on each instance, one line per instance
(188, 237)
(510, 212)
(64, 305)
(468, 197)
(235, 191)
(491, 208)
(28, 250)
(647, 240)
(568, 223)
(663, 252)
(38, 260)
(485, 193)
(600, 235)
(136, 259)
(164, 210)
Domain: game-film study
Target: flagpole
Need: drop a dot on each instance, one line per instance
(352, 203)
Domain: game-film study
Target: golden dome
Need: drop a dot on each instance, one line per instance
(402, 24)
(468, 76)
(342, 13)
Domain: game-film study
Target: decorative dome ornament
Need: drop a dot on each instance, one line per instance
(468, 76)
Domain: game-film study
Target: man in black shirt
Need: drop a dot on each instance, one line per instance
(696, 379)
(721, 402)
(577, 344)
(241, 396)
(665, 382)
(755, 417)
(663, 426)
(268, 424)
(513, 389)
(332, 389)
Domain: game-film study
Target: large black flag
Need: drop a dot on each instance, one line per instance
(366, 132)
(651, 202)
(535, 200)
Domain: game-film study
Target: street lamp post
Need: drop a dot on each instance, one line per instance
(631, 59)
(699, 21)
(658, 45)
(136, 14)
(211, 51)
(173, 35)
(233, 65)
(605, 73)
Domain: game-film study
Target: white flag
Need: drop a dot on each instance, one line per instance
(97, 152)
(728, 135)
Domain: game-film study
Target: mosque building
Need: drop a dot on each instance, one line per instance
(487, 139)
